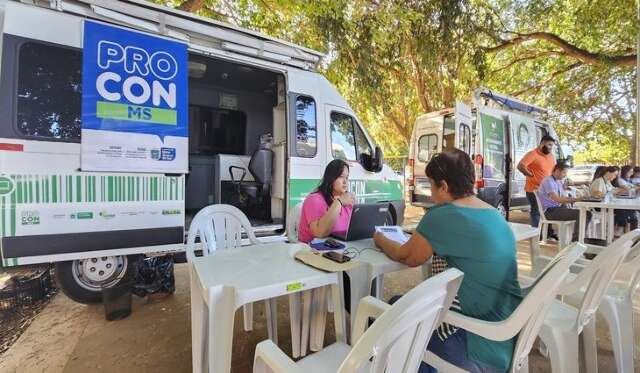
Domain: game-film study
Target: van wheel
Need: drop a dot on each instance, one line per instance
(83, 280)
(500, 207)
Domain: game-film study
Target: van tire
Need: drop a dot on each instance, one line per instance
(500, 207)
(68, 281)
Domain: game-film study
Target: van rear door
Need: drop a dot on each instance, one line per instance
(463, 120)
(428, 141)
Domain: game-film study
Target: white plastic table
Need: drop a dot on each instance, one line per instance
(609, 205)
(227, 279)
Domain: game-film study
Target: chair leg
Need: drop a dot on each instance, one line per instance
(543, 229)
(589, 344)
(247, 313)
(562, 234)
(563, 350)
(619, 318)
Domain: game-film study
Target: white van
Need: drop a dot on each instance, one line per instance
(496, 132)
(262, 125)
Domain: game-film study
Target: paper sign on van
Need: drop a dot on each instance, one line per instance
(134, 96)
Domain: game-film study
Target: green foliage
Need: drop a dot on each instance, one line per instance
(396, 59)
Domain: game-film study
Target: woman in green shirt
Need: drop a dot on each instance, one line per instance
(473, 237)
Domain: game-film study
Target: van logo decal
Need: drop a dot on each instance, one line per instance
(30, 217)
(134, 98)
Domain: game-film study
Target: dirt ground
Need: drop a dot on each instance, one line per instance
(70, 337)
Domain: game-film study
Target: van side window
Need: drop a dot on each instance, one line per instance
(49, 92)
(427, 147)
(465, 138)
(449, 133)
(306, 127)
(348, 140)
(343, 142)
(362, 145)
(540, 132)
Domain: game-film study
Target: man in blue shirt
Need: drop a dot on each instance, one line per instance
(554, 202)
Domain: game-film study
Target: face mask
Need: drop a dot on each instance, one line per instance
(546, 150)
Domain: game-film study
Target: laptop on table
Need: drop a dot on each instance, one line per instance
(363, 221)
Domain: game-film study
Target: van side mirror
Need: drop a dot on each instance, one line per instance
(377, 160)
(372, 163)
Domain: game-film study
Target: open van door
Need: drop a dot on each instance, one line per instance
(495, 152)
(463, 122)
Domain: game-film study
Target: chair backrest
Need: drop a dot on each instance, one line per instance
(530, 314)
(398, 338)
(219, 227)
(597, 276)
(293, 222)
(261, 165)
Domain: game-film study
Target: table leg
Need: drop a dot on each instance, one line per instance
(198, 325)
(221, 315)
(583, 225)
(271, 312)
(338, 313)
(318, 318)
(611, 226)
(296, 319)
(306, 315)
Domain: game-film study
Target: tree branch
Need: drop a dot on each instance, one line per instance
(191, 5)
(569, 49)
(537, 87)
(527, 58)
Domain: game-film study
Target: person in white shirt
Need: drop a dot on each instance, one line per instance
(635, 178)
(624, 180)
(601, 185)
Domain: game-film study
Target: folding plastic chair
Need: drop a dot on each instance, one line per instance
(525, 322)
(394, 343)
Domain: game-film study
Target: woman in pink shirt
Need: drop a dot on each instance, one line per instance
(328, 209)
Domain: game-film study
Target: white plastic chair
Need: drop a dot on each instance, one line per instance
(308, 318)
(220, 227)
(565, 227)
(617, 309)
(525, 321)
(565, 323)
(394, 343)
(299, 318)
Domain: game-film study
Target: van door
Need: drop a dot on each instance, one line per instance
(428, 142)
(523, 134)
(463, 120)
(494, 151)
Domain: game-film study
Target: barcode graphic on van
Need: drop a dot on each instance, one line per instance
(26, 189)
(74, 188)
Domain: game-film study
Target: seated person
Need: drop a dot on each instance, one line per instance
(635, 177)
(601, 186)
(473, 237)
(328, 209)
(554, 202)
(624, 180)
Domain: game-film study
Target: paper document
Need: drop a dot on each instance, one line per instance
(393, 232)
